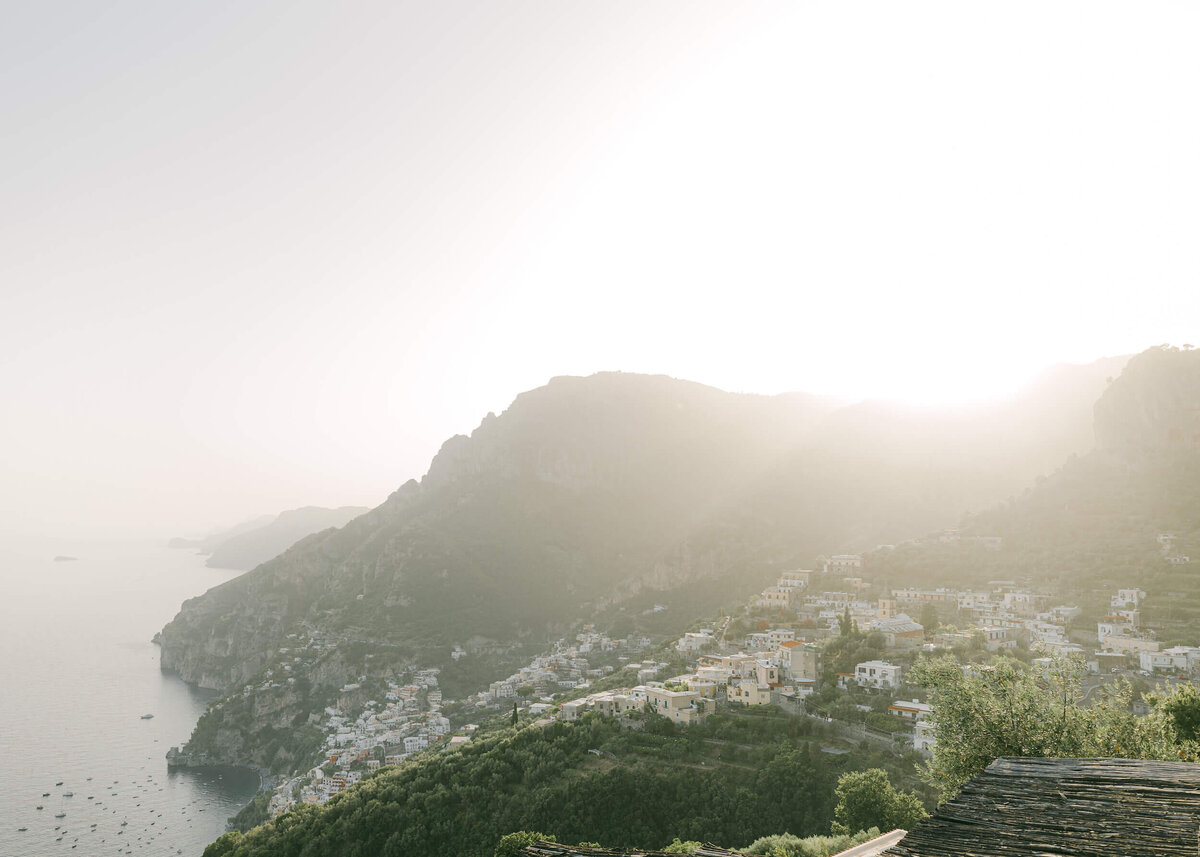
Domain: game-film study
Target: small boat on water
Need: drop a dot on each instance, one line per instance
(59, 783)
(68, 794)
(39, 806)
(22, 829)
(147, 716)
(60, 815)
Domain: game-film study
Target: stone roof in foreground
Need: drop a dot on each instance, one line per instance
(1066, 808)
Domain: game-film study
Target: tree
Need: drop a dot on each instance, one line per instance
(525, 691)
(1181, 707)
(514, 716)
(1008, 709)
(867, 799)
(929, 618)
(226, 843)
(511, 845)
(678, 847)
(789, 845)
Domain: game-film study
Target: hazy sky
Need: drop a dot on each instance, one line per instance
(260, 254)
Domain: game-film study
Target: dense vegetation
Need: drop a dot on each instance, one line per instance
(252, 814)
(270, 729)
(1011, 709)
(732, 780)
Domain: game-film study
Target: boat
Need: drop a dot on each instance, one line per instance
(39, 806)
(60, 815)
(45, 794)
(68, 794)
(59, 783)
(147, 716)
(22, 829)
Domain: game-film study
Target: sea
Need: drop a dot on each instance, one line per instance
(80, 769)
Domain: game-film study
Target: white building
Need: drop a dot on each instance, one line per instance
(776, 637)
(924, 737)
(1127, 598)
(695, 641)
(843, 563)
(1177, 660)
(1060, 614)
(798, 579)
(996, 637)
(878, 674)
(912, 710)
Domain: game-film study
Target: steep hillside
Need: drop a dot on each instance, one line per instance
(731, 780)
(247, 549)
(1093, 525)
(589, 491)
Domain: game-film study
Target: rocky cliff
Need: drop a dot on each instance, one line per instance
(1154, 406)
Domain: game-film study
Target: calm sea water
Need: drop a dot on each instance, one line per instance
(77, 672)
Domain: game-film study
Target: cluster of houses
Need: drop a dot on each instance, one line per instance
(767, 666)
(565, 667)
(1001, 615)
(1120, 634)
(774, 664)
(406, 721)
(750, 679)
(788, 671)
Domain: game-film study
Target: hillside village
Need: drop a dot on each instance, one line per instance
(774, 653)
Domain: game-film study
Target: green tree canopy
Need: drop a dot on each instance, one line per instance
(1009, 709)
(929, 618)
(788, 845)
(511, 844)
(867, 799)
(678, 846)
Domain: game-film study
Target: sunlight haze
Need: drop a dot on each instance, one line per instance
(255, 256)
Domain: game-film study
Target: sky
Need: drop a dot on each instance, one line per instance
(263, 254)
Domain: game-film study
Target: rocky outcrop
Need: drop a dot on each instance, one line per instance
(1154, 406)
(223, 638)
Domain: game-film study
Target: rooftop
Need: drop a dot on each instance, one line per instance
(1066, 808)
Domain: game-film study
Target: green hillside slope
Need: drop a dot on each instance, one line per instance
(731, 780)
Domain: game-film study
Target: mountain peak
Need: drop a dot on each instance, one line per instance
(1154, 406)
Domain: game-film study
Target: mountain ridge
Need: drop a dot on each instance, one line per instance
(588, 491)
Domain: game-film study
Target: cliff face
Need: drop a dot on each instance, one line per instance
(565, 501)
(1154, 406)
(593, 490)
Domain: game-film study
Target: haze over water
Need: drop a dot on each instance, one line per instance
(78, 672)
